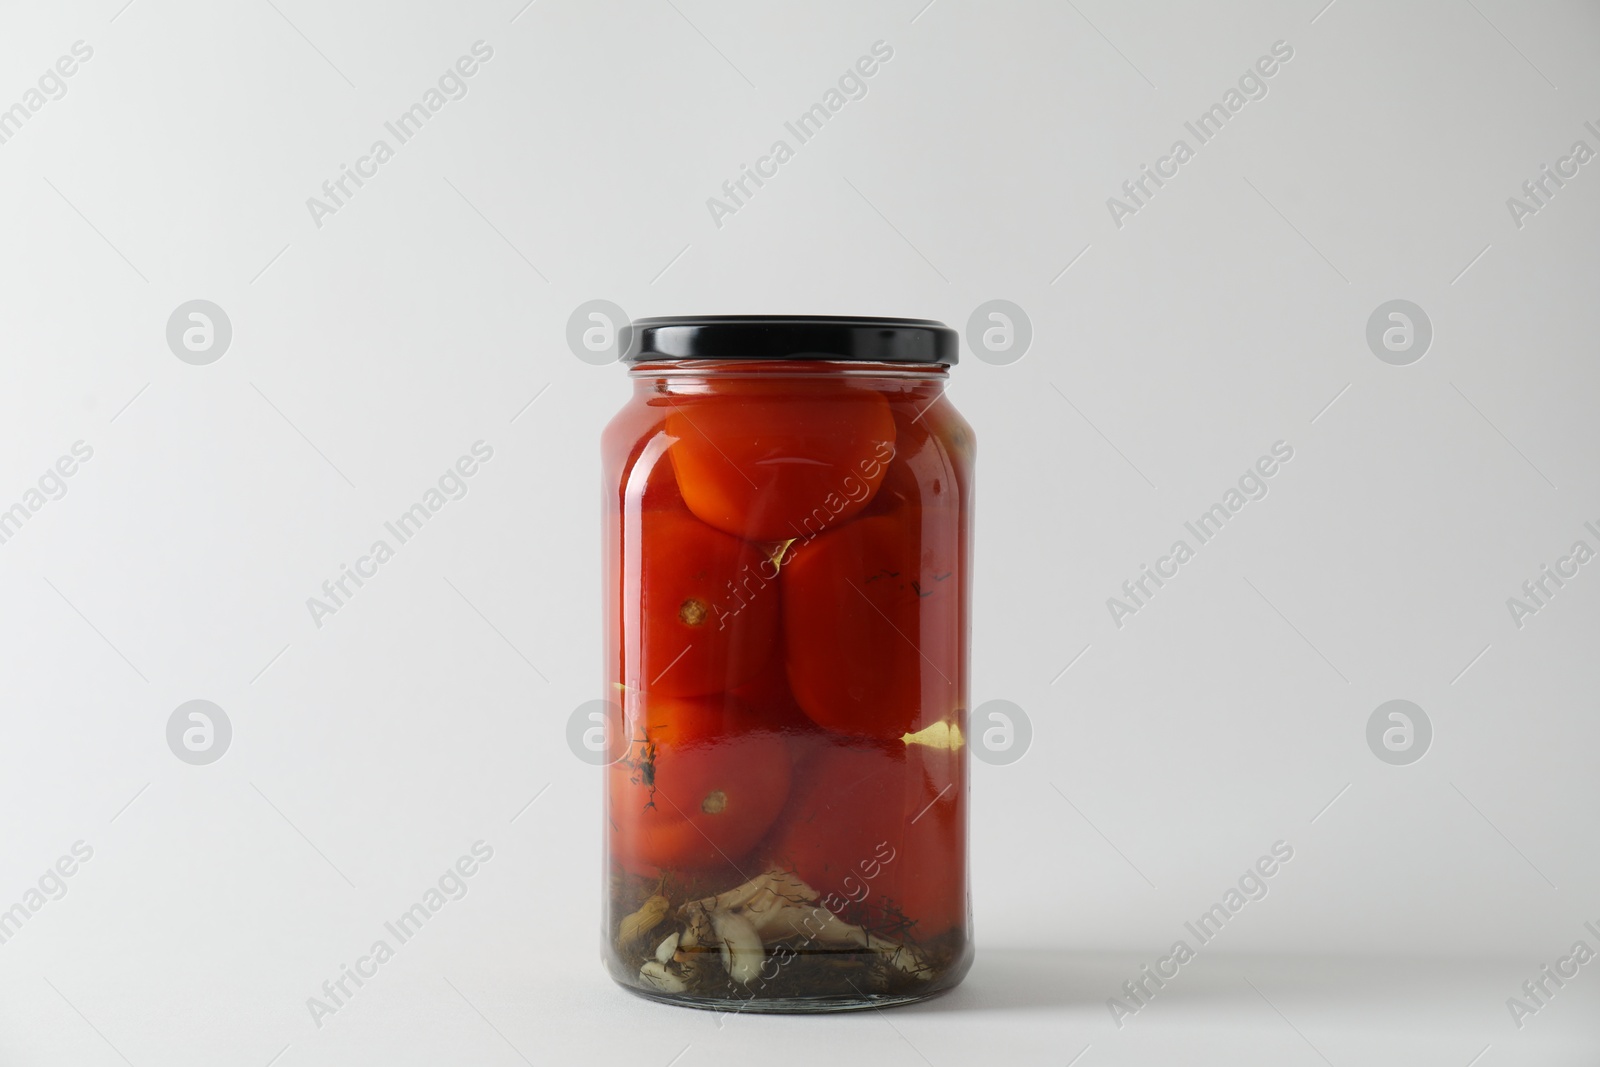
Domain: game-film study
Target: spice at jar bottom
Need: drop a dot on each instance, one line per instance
(786, 548)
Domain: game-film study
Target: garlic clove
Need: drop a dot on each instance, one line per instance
(655, 975)
(739, 944)
(665, 950)
(940, 735)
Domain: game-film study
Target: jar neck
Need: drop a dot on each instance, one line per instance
(687, 377)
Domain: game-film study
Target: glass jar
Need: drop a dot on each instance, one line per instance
(787, 590)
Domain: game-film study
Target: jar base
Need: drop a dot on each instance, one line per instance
(823, 1005)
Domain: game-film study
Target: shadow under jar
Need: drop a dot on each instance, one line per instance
(786, 549)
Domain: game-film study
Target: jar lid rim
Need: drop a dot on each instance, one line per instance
(841, 338)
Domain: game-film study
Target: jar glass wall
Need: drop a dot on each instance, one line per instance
(787, 595)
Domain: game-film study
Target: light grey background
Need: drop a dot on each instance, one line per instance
(371, 352)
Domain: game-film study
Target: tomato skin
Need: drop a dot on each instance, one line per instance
(932, 464)
(698, 787)
(881, 827)
(872, 610)
(707, 617)
(771, 460)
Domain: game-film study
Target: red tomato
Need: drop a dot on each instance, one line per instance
(698, 786)
(634, 446)
(880, 831)
(932, 460)
(707, 619)
(872, 611)
(771, 460)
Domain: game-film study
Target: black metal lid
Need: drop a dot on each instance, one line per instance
(816, 337)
